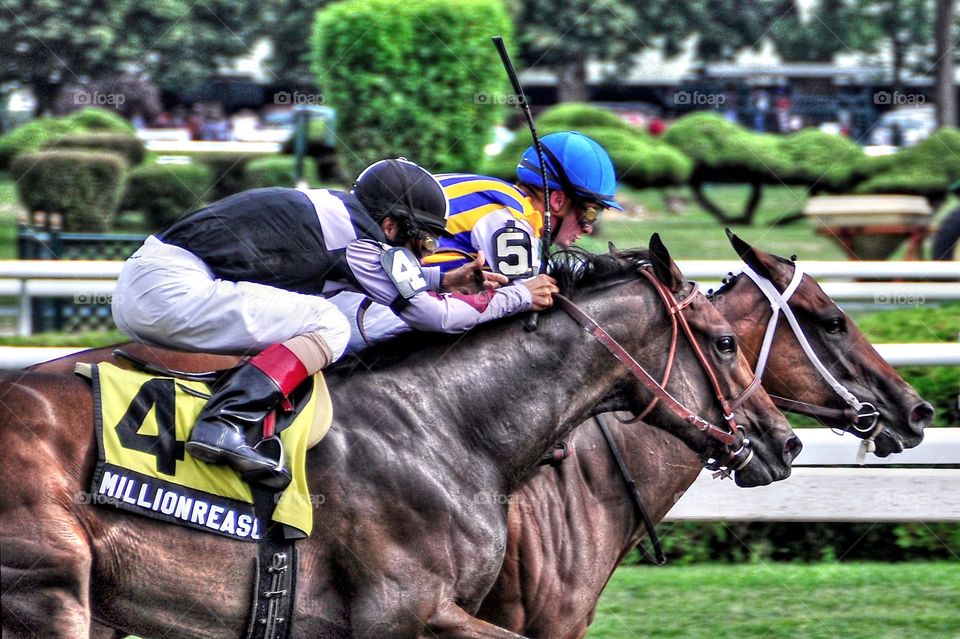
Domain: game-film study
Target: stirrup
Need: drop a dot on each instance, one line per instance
(276, 478)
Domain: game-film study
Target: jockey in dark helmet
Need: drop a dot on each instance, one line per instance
(251, 272)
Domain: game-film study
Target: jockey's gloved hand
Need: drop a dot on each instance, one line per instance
(471, 278)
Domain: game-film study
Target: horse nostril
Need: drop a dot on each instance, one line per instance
(792, 448)
(921, 416)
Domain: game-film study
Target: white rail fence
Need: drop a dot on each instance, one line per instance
(94, 281)
(827, 485)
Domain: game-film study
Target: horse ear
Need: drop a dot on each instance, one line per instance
(664, 267)
(759, 261)
(611, 248)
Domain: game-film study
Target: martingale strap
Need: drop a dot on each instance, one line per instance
(591, 326)
(658, 557)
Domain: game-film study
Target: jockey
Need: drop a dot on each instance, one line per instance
(498, 224)
(504, 221)
(249, 272)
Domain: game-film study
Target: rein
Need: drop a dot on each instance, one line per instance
(733, 439)
(779, 303)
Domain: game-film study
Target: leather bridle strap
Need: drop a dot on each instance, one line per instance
(676, 312)
(732, 438)
(657, 557)
(814, 410)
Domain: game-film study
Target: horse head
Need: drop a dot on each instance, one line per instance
(845, 384)
(703, 368)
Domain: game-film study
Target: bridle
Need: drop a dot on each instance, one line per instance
(856, 411)
(736, 444)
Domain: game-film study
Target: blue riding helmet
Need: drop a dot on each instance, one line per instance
(576, 165)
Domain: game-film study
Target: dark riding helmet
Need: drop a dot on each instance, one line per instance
(405, 191)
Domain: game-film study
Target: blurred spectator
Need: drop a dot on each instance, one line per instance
(656, 126)
(761, 102)
(783, 106)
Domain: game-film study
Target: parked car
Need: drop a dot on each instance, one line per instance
(905, 126)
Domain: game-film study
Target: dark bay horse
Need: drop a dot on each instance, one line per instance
(412, 529)
(569, 527)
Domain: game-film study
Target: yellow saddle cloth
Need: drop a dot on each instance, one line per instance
(143, 422)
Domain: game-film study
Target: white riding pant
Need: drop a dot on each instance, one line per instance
(379, 322)
(167, 296)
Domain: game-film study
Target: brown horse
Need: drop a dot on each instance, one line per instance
(411, 533)
(570, 527)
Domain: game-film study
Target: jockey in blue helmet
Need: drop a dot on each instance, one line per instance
(504, 221)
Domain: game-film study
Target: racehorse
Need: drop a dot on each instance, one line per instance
(570, 527)
(411, 532)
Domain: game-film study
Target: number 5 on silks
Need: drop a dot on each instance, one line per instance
(513, 255)
(404, 271)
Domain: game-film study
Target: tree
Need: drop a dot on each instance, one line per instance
(945, 89)
(45, 44)
(905, 26)
(834, 26)
(565, 34)
(286, 24)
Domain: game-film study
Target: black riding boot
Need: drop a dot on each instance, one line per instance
(236, 411)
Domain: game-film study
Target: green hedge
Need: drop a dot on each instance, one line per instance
(130, 147)
(640, 160)
(414, 79)
(228, 171)
(84, 186)
(31, 136)
(35, 134)
(96, 119)
(164, 192)
(278, 171)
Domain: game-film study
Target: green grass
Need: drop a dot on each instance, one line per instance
(820, 601)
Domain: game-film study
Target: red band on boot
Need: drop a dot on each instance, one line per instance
(280, 364)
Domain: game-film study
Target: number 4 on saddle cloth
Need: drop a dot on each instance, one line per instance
(142, 423)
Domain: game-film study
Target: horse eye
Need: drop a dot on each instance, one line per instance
(727, 344)
(834, 325)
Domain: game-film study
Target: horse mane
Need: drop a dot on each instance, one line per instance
(576, 270)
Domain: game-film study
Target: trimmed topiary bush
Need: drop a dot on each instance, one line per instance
(278, 171)
(926, 169)
(31, 136)
(83, 186)
(95, 119)
(399, 90)
(130, 147)
(164, 192)
(824, 161)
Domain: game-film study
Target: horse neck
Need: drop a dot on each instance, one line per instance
(506, 396)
